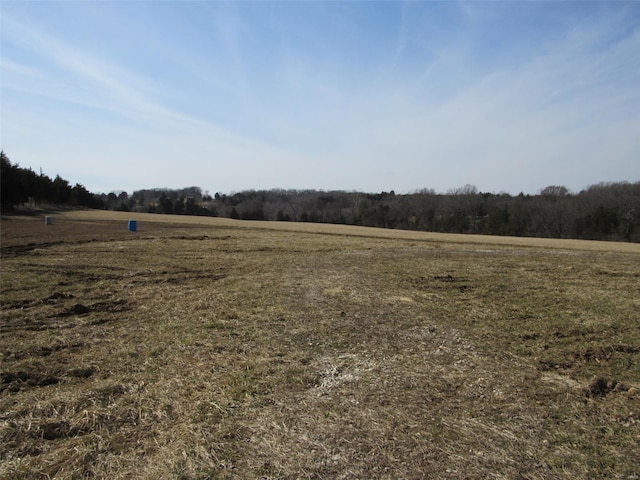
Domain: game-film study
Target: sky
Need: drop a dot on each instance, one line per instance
(328, 95)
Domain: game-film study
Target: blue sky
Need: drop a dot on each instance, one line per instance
(370, 96)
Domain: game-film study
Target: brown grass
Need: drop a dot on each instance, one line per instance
(211, 348)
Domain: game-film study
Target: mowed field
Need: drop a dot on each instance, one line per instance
(203, 348)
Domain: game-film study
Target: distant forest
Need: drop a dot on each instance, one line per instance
(605, 211)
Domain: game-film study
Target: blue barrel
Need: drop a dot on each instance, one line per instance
(48, 220)
(133, 226)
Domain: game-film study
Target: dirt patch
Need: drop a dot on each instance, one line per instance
(441, 282)
(111, 306)
(77, 309)
(82, 372)
(40, 351)
(15, 250)
(16, 381)
(589, 356)
(600, 386)
(604, 353)
(53, 299)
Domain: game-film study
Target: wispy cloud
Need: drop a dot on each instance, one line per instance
(259, 95)
(546, 118)
(100, 84)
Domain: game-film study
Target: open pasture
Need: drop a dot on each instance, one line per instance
(202, 348)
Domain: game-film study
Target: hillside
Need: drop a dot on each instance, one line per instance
(605, 211)
(215, 348)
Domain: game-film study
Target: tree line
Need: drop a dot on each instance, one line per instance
(21, 186)
(605, 211)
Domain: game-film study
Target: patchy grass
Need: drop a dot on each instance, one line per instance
(208, 348)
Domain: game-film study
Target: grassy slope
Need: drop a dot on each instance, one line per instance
(350, 230)
(209, 348)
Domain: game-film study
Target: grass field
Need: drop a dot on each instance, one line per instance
(201, 348)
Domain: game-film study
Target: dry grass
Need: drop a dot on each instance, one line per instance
(209, 348)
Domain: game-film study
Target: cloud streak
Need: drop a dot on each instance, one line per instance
(144, 130)
(248, 96)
